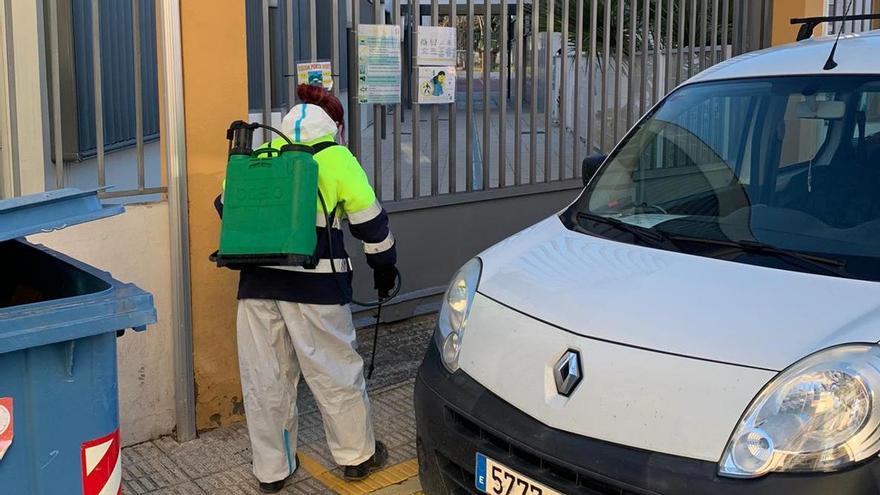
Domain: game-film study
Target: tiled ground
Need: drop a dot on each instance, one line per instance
(219, 461)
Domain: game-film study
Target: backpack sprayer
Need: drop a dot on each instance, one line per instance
(269, 210)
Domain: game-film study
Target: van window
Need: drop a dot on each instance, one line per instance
(768, 171)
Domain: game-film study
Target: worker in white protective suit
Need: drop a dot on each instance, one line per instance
(296, 321)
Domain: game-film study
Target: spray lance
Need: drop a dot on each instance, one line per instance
(260, 228)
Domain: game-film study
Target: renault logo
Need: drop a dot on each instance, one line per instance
(567, 372)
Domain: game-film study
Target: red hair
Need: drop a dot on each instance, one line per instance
(317, 95)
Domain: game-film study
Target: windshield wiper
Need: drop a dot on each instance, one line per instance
(652, 237)
(831, 265)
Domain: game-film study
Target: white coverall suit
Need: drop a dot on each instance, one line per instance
(294, 321)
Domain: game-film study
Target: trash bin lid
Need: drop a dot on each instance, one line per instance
(51, 210)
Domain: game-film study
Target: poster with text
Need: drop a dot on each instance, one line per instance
(379, 78)
(436, 85)
(315, 74)
(436, 46)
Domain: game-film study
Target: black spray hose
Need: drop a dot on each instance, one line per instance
(347, 291)
(342, 287)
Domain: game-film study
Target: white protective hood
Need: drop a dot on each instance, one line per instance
(677, 303)
(306, 122)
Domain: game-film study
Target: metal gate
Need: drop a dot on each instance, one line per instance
(540, 83)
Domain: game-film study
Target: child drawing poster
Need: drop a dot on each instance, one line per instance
(436, 85)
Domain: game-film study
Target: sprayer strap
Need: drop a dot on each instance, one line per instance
(319, 147)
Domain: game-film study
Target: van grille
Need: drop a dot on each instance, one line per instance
(461, 479)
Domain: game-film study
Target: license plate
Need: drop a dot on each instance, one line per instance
(497, 479)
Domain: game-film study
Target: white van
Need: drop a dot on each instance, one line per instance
(704, 318)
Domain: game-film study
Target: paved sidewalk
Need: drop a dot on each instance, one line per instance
(219, 461)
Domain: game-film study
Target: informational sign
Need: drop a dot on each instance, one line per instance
(436, 46)
(379, 64)
(315, 74)
(436, 85)
(6, 425)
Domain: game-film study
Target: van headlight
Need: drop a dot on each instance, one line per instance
(821, 414)
(454, 312)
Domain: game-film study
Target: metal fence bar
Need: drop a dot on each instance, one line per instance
(267, 72)
(563, 79)
(646, 21)
(670, 15)
(56, 94)
(313, 30)
(591, 69)
(518, 92)
(354, 108)
(99, 98)
(487, 76)
(578, 53)
(618, 73)
(378, 18)
(138, 93)
(502, 99)
(693, 40)
(415, 20)
(704, 24)
(435, 117)
(8, 27)
(469, 105)
(291, 55)
(714, 43)
(533, 115)
(334, 45)
(606, 66)
(725, 17)
(680, 65)
(631, 83)
(658, 33)
(548, 94)
(453, 130)
(397, 117)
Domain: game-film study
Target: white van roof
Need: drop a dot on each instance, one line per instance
(856, 54)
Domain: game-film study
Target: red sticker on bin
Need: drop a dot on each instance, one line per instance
(6, 426)
(101, 466)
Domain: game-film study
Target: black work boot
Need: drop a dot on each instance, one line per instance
(371, 465)
(277, 486)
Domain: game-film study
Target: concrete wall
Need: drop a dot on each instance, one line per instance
(785, 10)
(134, 247)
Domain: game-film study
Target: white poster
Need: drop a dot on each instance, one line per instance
(315, 73)
(436, 85)
(436, 46)
(379, 64)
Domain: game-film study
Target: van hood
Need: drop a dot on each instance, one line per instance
(676, 303)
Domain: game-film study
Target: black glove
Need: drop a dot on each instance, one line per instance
(384, 278)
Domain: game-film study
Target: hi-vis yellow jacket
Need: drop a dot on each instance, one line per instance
(348, 194)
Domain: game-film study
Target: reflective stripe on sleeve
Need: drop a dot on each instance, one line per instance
(365, 215)
(321, 221)
(342, 265)
(378, 247)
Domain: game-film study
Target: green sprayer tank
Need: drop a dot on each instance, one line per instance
(269, 203)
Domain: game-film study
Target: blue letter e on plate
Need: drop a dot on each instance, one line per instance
(481, 472)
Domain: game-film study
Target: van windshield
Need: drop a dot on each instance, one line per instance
(781, 172)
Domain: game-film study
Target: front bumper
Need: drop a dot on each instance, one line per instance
(457, 417)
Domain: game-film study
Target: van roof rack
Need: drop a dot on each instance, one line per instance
(810, 23)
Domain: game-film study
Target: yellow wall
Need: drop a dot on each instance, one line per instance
(215, 94)
(785, 10)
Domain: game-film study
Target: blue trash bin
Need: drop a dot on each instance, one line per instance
(59, 320)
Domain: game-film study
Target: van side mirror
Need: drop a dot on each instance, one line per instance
(591, 165)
